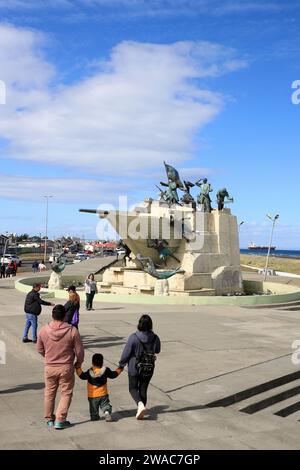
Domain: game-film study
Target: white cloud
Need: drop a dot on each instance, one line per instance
(69, 190)
(142, 105)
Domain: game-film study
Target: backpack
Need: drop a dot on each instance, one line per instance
(145, 362)
(75, 319)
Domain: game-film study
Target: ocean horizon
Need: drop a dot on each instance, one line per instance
(277, 253)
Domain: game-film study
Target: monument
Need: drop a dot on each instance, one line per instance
(55, 281)
(178, 247)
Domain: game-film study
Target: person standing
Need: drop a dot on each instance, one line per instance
(35, 267)
(139, 354)
(90, 287)
(72, 307)
(10, 270)
(15, 268)
(42, 267)
(33, 308)
(2, 270)
(60, 344)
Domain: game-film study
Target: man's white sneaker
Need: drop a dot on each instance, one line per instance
(140, 411)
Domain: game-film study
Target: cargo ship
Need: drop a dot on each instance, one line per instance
(254, 247)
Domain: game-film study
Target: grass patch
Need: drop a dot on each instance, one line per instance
(287, 265)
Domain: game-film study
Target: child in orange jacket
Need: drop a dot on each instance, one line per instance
(97, 389)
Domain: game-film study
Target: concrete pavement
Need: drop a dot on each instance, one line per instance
(208, 354)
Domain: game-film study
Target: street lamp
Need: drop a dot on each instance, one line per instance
(46, 231)
(240, 224)
(6, 242)
(274, 220)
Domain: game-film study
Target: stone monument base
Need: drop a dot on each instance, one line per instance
(55, 281)
(210, 267)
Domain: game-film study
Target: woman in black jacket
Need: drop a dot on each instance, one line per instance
(139, 353)
(72, 305)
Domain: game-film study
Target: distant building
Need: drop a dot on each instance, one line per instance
(29, 245)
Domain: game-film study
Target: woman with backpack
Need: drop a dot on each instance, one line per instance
(72, 307)
(140, 355)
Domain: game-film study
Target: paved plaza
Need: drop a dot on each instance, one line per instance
(236, 360)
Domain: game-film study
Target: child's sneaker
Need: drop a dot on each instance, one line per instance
(140, 411)
(108, 417)
(62, 424)
(50, 423)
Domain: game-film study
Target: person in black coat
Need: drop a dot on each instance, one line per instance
(2, 270)
(144, 340)
(33, 308)
(72, 305)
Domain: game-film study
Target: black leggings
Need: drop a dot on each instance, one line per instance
(138, 387)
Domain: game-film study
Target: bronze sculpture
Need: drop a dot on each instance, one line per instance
(204, 197)
(174, 183)
(187, 198)
(59, 265)
(148, 266)
(221, 195)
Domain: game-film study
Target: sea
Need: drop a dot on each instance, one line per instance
(277, 253)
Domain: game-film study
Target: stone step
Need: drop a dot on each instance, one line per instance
(193, 292)
(104, 284)
(117, 269)
(293, 306)
(272, 400)
(121, 290)
(279, 397)
(194, 281)
(145, 288)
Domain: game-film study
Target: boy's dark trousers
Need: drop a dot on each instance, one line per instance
(99, 402)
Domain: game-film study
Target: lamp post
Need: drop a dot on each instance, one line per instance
(274, 220)
(46, 228)
(240, 224)
(6, 242)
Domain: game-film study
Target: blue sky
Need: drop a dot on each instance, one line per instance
(100, 92)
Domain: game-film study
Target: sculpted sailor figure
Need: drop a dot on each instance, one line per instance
(221, 195)
(174, 183)
(204, 197)
(148, 265)
(187, 198)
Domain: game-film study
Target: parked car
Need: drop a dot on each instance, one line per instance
(121, 251)
(80, 257)
(6, 259)
(270, 272)
(109, 252)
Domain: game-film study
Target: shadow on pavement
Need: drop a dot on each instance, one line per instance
(23, 388)
(109, 308)
(102, 342)
(155, 411)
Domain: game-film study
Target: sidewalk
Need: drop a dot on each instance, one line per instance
(208, 353)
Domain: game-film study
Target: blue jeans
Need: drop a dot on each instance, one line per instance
(31, 320)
